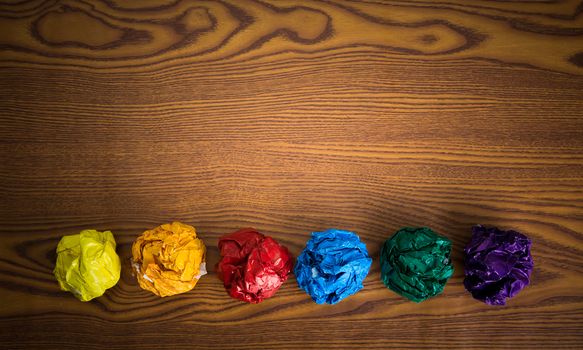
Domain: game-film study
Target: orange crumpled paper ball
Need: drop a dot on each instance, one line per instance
(169, 259)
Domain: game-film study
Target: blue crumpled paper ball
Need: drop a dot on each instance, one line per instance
(332, 266)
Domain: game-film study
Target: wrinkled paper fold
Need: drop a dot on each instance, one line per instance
(252, 266)
(415, 263)
(87, 264)
(169, 259)
(332, 266)
(498, 264)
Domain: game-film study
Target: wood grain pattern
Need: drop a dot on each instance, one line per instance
(290, 116)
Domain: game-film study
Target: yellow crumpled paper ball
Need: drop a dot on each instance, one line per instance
(87, 264)
(169, 259)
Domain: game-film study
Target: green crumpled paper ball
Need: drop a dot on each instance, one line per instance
(87, 264)
(415, 263)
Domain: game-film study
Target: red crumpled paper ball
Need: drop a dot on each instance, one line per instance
(253, 266)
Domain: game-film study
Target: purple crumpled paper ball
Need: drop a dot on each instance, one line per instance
(498, 264)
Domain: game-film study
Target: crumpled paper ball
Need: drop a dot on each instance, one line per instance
(169, 259)
(332, 266)
(87, 264)
(415, 263)
(253, 266)
(498, 264)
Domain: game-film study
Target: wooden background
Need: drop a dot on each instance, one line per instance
(290, 117)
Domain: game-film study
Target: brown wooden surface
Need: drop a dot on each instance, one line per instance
(290, 117)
